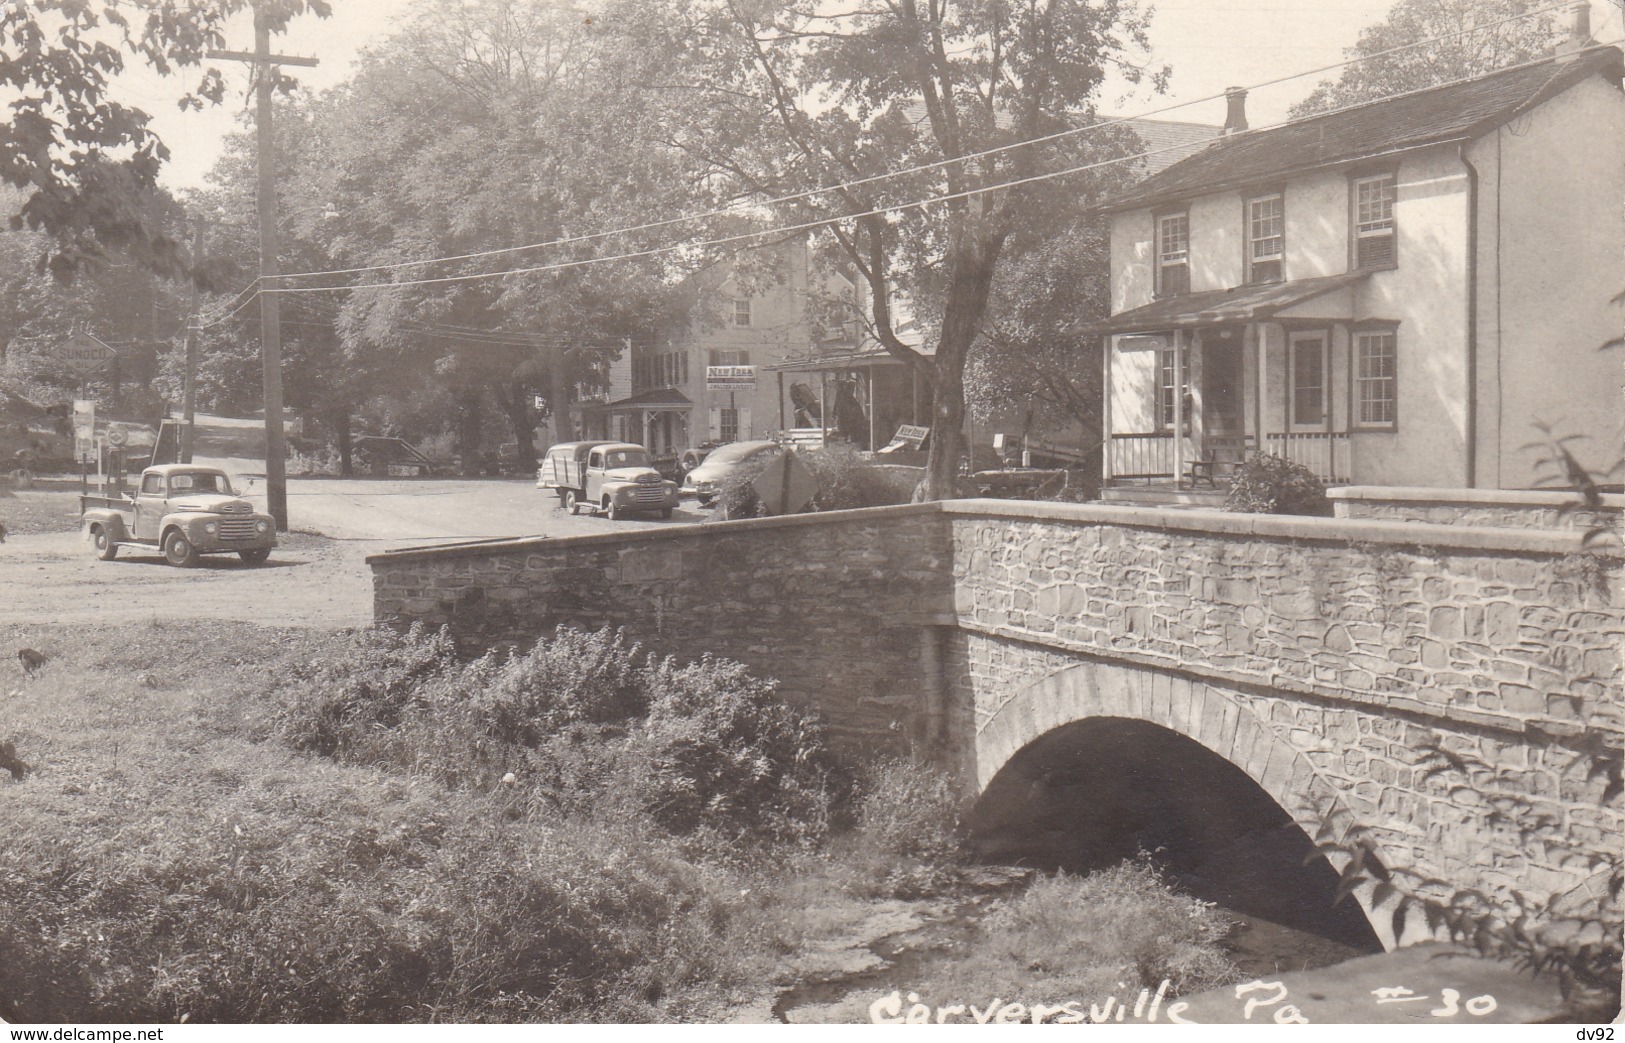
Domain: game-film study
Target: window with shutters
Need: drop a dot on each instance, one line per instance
(1173, 255)
(1374, 221)
(1376, 385)
(741, 313)
(1266, 238)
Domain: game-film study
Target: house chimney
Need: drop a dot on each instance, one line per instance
(1235, 120)
(1579, 31)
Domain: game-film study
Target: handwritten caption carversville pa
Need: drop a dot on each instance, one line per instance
(1265, 999)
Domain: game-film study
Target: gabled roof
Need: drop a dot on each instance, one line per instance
(1454, 112)
(1212, 307)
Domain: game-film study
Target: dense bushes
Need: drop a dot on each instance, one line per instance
(584, 723)
(1269, 484)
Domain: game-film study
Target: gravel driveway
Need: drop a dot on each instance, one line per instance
(317, 576)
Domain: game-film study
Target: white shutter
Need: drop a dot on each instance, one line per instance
(745, 432)
(716, 423)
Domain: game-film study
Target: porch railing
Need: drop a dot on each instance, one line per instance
(1148, 455)
(1326, 453)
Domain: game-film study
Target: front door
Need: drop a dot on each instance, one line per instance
(1221, 382)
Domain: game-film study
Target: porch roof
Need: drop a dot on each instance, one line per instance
(1213, 307)
(658, 399)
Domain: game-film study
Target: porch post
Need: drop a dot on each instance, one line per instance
(871, 376)
(1257, 331)
(823, 408)
(782, 424)
(1179, 409)
(1106, 410)
(1253, 341)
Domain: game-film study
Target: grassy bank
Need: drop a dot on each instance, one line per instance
(234, 823)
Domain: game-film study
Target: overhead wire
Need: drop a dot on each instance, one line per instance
(921, 168)
(780, 230)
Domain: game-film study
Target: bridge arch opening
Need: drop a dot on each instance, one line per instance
(1089, 793)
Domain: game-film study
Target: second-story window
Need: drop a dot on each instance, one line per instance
(741, 313)
(1374, 221)
(1266, 238)
(1173, 255)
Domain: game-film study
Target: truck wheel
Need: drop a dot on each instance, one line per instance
(564, 497)
(665, 514)
(256, 556)
(106, 549)
(614, 512)
(572, 500)
(178, 550)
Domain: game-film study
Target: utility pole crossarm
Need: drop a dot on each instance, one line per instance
(251, 58)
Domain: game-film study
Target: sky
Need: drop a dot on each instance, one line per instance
(1211, 45)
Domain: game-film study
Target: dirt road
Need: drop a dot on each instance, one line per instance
(317, 576)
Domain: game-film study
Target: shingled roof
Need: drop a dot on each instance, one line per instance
(1454, 112)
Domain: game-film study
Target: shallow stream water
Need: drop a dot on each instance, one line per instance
(1257, 946)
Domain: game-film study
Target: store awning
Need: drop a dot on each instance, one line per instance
(1216, 307)
(861, 358)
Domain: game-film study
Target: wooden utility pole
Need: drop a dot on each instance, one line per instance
(189, 386)
(264, 62)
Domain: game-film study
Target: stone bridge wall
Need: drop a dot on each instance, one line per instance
(1321, 656)
(832, 605)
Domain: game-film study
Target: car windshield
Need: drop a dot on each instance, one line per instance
(199, 483)
(626, 458)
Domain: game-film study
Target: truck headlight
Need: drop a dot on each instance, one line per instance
(262, 526)
(211, 527)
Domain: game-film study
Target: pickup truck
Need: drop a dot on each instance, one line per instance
(182, 510)
(613, 477)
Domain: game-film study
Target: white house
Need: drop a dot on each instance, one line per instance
(1393, 294)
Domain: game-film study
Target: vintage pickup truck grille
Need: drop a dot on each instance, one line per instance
(237, 529)
(651, 494)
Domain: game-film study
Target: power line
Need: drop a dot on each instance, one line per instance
(826, 221)
(937, 164)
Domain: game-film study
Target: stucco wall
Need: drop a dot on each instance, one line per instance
(1551, 231)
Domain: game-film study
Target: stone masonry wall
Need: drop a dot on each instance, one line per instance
(1353, 646)
(831, 604)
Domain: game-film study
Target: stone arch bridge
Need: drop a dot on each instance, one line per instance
(1323, 658)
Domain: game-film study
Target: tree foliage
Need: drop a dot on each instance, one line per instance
(470, 134)
(1034, 354)
(789, 96)
(1459, 56)
(89, 161)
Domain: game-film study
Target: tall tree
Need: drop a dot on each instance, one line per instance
(474, 131)
(90, 162)
(1459, 56)
(773, 97)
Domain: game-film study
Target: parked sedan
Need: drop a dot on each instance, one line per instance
(704, 483)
